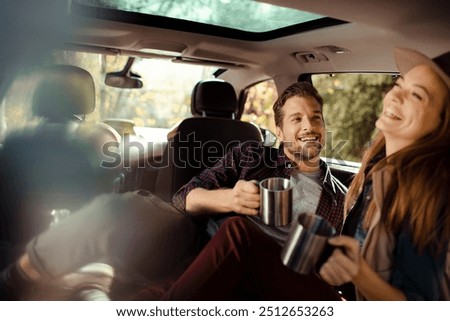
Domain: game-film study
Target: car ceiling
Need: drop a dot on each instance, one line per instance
(376, 28)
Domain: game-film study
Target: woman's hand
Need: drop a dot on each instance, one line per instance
(344, 264)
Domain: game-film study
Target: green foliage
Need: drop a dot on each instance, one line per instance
(352, 103)
(259, 103)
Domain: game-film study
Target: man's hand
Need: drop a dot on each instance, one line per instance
(244, 198)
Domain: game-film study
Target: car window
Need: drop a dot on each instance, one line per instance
(352, 103)
(163, 101)
(259, 100)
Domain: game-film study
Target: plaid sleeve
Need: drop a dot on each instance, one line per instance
(179, 198)
(223, 174)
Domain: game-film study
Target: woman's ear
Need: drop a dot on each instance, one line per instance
(279, 134)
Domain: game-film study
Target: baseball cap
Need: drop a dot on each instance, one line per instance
(407, 59)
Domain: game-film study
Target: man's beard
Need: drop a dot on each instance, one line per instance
(304, 153)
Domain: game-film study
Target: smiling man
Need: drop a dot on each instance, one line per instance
(302, 131)
(229, 187)
(243, 246)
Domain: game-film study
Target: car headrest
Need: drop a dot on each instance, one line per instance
(63, 91)
(214, 98)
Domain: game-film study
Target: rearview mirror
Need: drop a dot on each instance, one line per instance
(119, 80)
(124, 78)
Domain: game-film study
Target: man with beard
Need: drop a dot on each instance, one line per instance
(229, 186)
(242, 260)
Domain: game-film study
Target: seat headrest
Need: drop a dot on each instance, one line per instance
(214, 98)
(63, 91)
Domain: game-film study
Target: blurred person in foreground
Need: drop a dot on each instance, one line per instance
(143, 234)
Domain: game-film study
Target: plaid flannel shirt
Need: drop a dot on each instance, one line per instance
(252, 161)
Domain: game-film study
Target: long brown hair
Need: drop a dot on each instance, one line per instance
(418, 197)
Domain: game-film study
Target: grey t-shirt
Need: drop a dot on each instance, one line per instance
(306, 190)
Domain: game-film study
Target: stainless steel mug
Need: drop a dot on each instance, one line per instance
(307, 247)
(275, 201)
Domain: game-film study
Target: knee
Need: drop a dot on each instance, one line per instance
(236, 223)
(237, 229)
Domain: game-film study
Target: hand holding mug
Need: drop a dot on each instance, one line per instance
(307, 246)
(344, 263)
(244, 198)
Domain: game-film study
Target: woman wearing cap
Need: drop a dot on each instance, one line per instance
(395, 241)
(398, 203)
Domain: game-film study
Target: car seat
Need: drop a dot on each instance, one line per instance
(198, 142)
(214, 98)
(55, 164)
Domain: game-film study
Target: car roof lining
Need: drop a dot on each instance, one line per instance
(395, 24)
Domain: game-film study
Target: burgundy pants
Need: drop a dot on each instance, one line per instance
(241, 262)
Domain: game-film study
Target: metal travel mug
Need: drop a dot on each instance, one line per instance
(307, 247)
(276, 201)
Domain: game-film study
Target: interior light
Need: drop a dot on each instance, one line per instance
(160, 52)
